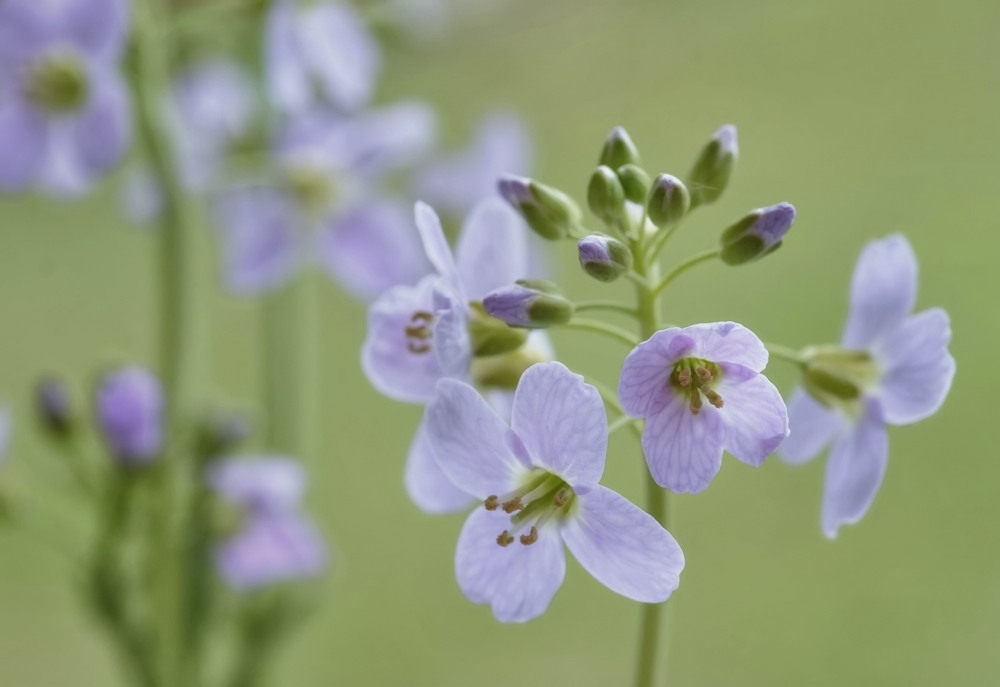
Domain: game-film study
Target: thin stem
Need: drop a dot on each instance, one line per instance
(658, 242)
(622, 421)
(603, 328)
(583, 306)
(786, 353)
(694, 260)
(607, 394)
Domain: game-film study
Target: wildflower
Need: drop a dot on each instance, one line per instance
(130, 411)
(757, 234)
(701, 392)
(892, 368)
(64, 110)
(538, 480)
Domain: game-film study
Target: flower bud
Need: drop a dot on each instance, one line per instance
(54, 406)
(529, 303)
(129, 408)
(837, 377)
(605, 195)
(635, 181)
(220, 432)
(618, 150)
(669, 201)
(756, 234)
(603, 257)
(550, 213)
(711, 172)
(490, 335)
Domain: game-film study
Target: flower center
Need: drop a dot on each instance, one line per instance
(542, 497)
(837, 377)
(419, 332)
(697, 377)
(311, 186)
(57, 83)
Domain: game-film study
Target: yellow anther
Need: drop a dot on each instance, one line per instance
(504, 538)
(703, 374)
(531, 537)
(492, 502)
(562, 496)
(684, 377)
(714, 398)
(513, 505)
(695, 403)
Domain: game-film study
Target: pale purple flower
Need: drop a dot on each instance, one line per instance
(907, 374)
(538, 480)
(324, 208)
(130, 414)
(322, 43)
(276, 542)
(64, 109)
(701, 392)
(6, 431)
(455, 182)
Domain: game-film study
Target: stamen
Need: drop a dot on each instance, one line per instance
(419, 333)
(713, 397)
(418, 348)
(531, 537)
(504, 538)
(492, 502)
(703, 374)
(561, 497)
(514, 504)
(695, 402)
(422, 316)
(684, 377)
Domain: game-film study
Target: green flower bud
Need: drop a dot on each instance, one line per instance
(837, 377)
(492, 336)
(605, 195)
(635, 181)
(618, 150)
(668, 202)
(710, 174)
(603, 257)
(529, 303)
(550, 213)
(757, 234)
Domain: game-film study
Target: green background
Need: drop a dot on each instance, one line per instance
(871, 117)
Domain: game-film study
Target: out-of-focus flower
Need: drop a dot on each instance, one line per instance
(455, 182)
(324, 207)
(701, 392)
(538, 480)
(710, 174)
(6, 432)
(892, 368)
(54, 406)
(129, 407)
(64, 110)
(323, 43)
(276, 542)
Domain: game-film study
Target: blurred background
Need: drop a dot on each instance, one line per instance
(871, 118)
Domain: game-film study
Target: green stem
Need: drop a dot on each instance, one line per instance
(583, 306)
(786, 353)
(183, 341)
(622, 421)
(694, 260)
(603, 328)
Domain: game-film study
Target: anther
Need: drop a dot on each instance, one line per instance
(422, 316)
(713, 397)
(703, 374)
(531, 537)
(562, 496)
(695, 403)
(418, 348)
(492, 502)
(684, 377)
(504, 538)
(512, 505)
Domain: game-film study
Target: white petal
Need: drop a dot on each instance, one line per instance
(683, 450)
(883, 291)
(754, 416)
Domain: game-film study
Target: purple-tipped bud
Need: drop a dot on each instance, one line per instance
(603, 257)
(619, 150)
(54, 406)
(710, 174)
(668, 202)
(605, 195)
(532, 304)
(757, 234)
(129, 408)
(549, 212)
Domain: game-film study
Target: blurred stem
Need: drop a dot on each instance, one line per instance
(291, 384)
(694, 260)
(609, 330)
(183, 342)
(614, 306)
(650, 642)
(786, 353)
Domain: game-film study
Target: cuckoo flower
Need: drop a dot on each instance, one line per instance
(64, 111)
(701, 392)
(275, 542)
(324, 43)
(324, 206)
(892, 368)
(538, 480)
(130, 411)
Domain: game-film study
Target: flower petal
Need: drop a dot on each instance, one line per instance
(854, 470)
(264, 483)
(623, 547)
(562, 423)
(883, 291)
(753, 414)
(371, 248)
(23, 140)
(96, 27)
(474, 447)
(103, 129)
(393, 362)
(811, 427)
(429, 488)
(646, 371)
(385, 139)
(436, 245)
(683, 450)
(918, 367)
(728, 342)
(452, 344)
(284, 71)
(340, 52)
(492, 248)
(517, 581)
(271, 549)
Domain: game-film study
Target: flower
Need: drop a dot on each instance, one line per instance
(701, 392)
(455, 182)
(757, 234)
(64, 109)
(129, 408)
(324, 208)
(275, 542)
(892, 368)
(323, 43)
(538, 480)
